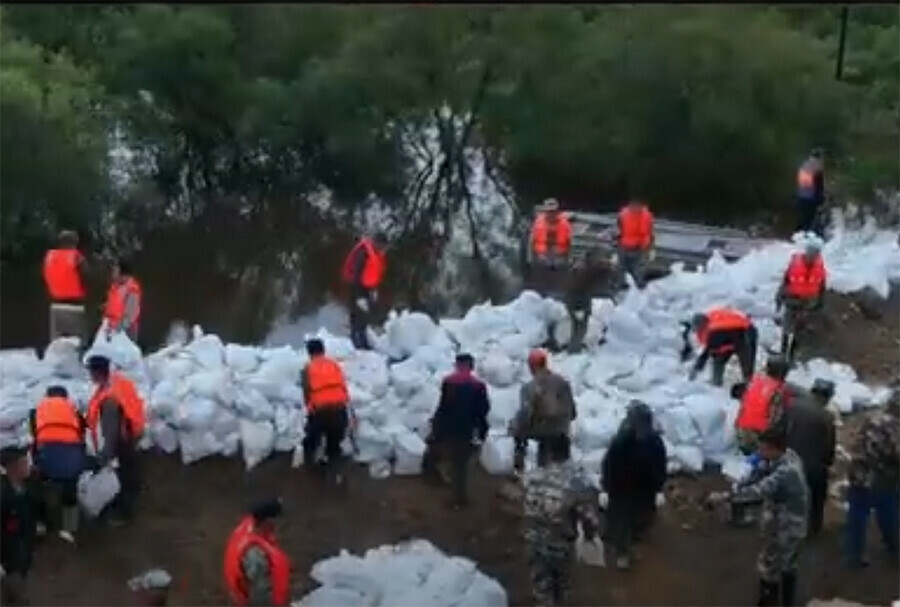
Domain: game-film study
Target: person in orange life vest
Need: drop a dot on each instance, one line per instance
(326, 395)
(257, 571)
(635, 239)
(802, 291)
(123, 302)
(810, 195)
(363, 271)
(763, 401)
(723, 333)
(58, 431)
(64, 269)
(116, 415)
(551, 241)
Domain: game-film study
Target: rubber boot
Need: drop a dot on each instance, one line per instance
(788, 588)
(768, 594)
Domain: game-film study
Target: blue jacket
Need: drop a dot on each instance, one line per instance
(463, 408)
(61, 461)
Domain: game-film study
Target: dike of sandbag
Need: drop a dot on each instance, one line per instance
(205, 397)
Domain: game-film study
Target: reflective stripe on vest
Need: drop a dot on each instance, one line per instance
(61, 275)
(805, 280)
(540, 234)
(754, 412)
(374, 268)
(242, 538)
(636, 228)
(123, 392)
(56, 421)
(115, 301)
(327, 386)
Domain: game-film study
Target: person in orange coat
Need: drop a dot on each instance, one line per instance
(116, 413)
(64, 269)
(363, 272)
(724, 333)
(123, 302)
(551, 243)
(802, 292)
(257, 571)
(326, 395)
(636, 239)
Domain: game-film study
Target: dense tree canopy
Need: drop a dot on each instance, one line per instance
(158, 126)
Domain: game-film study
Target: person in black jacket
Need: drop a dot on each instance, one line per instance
(461, 416)
(811, 433)
(17, 524)
(633, 475)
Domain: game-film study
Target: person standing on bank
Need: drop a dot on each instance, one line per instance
(363, 271)
(461, 416)
(18, 527)
(123, 302)
(64, 269)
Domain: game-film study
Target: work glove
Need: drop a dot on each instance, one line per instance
(603, 500)
(362, 304)
(614, 260)
(579, 315)
(374, 295)
(660, 500)
(651, 254)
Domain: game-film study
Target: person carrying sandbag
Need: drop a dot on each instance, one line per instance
(116, 413)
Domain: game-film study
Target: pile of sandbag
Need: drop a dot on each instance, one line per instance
(205, 397)
(407, 574)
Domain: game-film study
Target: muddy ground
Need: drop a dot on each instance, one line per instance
(691, 557)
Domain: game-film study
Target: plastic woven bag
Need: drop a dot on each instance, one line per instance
(96, 490)
(590, 552)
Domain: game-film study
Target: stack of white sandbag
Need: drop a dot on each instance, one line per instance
(408, 574)
(206, 397)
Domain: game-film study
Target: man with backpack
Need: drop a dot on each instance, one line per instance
(547, 409)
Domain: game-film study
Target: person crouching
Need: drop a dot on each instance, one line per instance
(58, 431)
(326, 395)
(257, 571)
(460, 417)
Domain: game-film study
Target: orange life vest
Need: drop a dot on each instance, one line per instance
(754, 412)
(722, 319)
(635, 228)
(373, 271)
(540, 234)
(61, 275)
(327, 386)
(122, 390)
(243, 537)
(115, 301)
(56, 421)
(805, 280)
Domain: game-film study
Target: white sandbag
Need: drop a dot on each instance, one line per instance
(407, 332)
(497, 454)
(257, 440)
(689, 458)
(208, 351)
(591, 552)
(21, 364)
(97, 490)
(333, 596)
(61, 358)
(163, 436)
(409, 449)
(118, 348)
(497, 369)
(595, 432)
(195, 414)
(735, 468)
(241, 359)
(196, 445)
(408, 376)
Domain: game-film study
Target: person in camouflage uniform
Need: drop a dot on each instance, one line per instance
(784, 518)
(547, 409)
(557, 499)
(874, 476)
(596, 275)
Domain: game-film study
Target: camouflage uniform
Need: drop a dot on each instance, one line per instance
(784, 519)
(257, 572)
(557, 498)
(532, 422)
(874, 476)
